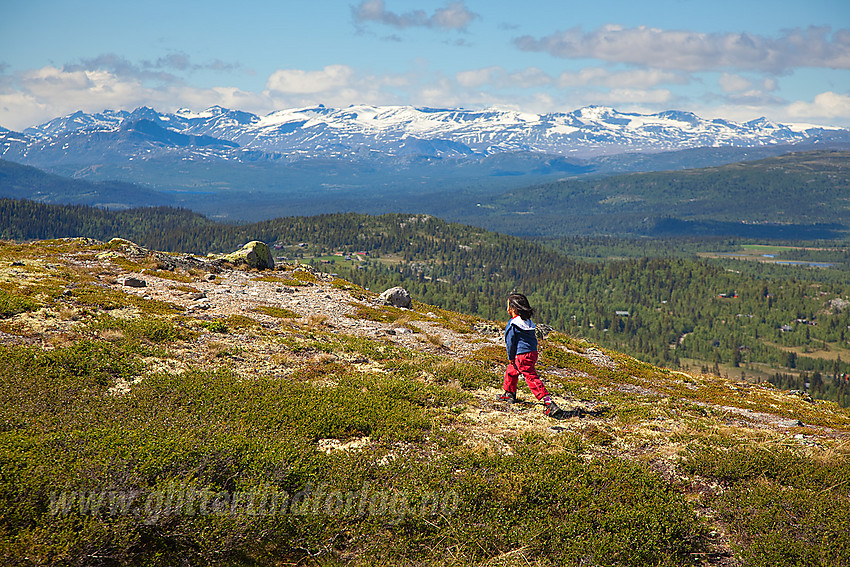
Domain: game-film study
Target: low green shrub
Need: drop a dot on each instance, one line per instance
(469, 376)
(241, 322)
(304, 276)
(279, 312)
(69, 454)
(780, 507)
(152, 329)
(108, 299)
(383, 314)
(12, 303)
(783, 466)
(216, 326)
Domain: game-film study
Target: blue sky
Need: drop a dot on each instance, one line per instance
(787, 60)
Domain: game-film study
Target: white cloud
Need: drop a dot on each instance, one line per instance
(496, 76)
(825, 106)
(80, 89)
(825, 109)
(19, 110)
(38, 95)
(693, 51)
(478, 77)
(731, 83)
(454, 16)
(620, 97)
(533, 77)
(530, 77)
(637, 78)
(296, 81)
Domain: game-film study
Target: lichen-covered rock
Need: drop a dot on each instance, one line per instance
(128, 247)
(396, 296)
(255, 254)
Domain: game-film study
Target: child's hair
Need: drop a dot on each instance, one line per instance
(519, 304)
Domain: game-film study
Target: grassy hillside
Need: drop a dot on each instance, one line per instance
(233, 417)
(746, 318)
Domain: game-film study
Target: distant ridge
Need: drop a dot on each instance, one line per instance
(397, 130)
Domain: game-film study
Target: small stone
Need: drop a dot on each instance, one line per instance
(132, 281)
(197, 295)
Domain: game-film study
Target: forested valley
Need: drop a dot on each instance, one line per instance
(654, 299)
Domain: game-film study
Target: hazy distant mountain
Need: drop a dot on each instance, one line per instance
(235, 165)
(25, 182)
(384, 131)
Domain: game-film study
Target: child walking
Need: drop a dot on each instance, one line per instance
(521, 342)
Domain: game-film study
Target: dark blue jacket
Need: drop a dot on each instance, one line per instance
(520, 337)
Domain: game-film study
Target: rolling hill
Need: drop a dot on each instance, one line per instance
(222, 415)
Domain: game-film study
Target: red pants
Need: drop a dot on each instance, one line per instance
(524, 364)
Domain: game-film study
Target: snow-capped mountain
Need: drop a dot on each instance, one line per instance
(220, 133)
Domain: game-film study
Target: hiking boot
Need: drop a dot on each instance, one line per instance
(509, 397)
(552, 410)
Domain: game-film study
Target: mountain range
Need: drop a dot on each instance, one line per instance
(237, 166)
(357, 131)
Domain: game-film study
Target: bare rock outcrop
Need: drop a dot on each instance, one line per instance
(255, 254)
(397, 297)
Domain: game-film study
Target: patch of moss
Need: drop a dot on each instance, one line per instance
(304, 276)
(383, 314)
(216, 326)
(125, 263)
(152, 329)
(107, 299)
(355, 290)
(12, 303)
(241, 322)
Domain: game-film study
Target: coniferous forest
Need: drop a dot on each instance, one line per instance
(662, 301)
